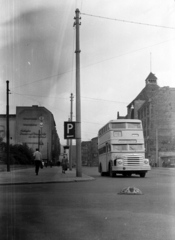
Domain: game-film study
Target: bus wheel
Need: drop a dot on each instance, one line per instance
(111, 173)
(142, 175)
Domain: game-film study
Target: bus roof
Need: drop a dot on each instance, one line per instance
(125, 120)
(122, 121)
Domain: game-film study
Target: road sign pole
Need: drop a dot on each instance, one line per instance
(7, 129)
(70, 149)
(78, 99)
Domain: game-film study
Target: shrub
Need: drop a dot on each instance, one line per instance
(19, 154)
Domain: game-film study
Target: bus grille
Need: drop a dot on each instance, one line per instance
(133, 160)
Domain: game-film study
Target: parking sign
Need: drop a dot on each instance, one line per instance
(69, 130)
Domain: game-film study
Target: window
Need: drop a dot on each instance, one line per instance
(102, 150)
(135, 147)
(118, 125)
(119, 147)
(134, 125)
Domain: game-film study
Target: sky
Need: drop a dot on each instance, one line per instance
(121, 42)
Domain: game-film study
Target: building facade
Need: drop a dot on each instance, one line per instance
(94, 151)
(36, 127)
(86, 152)
(89, 152)
(155, 106)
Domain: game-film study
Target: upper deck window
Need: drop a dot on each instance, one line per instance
(118, 125)
(126, 125)
(134, 125)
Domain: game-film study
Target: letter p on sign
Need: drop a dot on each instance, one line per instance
(69, 130)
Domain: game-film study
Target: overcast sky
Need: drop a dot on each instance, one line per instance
(37, 44)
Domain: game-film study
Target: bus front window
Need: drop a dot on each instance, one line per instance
(119, 147)
(135, 147)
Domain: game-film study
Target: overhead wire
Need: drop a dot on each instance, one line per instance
(107, 18)
(127, 21)
(36, 81)
(96, 99)
(123, 54)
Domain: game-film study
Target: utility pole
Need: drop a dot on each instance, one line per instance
(7, 126)
(70, 145)
(68, 140)
(78, 98)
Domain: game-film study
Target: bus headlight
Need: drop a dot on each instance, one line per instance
(119, 162)
(146, 161)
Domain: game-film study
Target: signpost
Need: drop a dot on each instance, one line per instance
(69, 130)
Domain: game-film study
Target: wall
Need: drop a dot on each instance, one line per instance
(12, 127)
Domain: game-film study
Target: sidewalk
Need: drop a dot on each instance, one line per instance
(46, 175)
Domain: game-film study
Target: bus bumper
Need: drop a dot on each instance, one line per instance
(131, 168)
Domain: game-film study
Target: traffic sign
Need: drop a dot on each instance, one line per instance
(69, 130)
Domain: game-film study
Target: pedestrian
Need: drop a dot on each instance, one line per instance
(64, 164)
(51, 163)
(38, 160)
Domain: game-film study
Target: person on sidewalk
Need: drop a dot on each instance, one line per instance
(64, 164)
(38, 160)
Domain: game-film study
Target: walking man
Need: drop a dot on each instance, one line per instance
(38, 158)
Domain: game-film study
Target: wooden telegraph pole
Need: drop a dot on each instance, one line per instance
(78, 98)
(7, 128)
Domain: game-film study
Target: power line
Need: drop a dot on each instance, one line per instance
(95, 63)
(96, 99)
(43, 79)
(37, 101)
(127, 21)
(39, 96)
(105, 100)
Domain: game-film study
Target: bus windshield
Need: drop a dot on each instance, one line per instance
(127, 147)
(135, 146)
(119, 147)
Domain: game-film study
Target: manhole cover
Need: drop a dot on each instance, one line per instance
(131, 191)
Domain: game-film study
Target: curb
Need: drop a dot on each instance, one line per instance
(49, 182)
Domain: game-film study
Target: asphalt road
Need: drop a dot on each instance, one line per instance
(91, 210)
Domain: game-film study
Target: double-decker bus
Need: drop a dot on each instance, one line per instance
(121, 148)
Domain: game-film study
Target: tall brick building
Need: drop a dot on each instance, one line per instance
(155, 106)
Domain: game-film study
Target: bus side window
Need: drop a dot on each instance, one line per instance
(104, 149)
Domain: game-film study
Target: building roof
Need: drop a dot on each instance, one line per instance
(148, 91)
(151, 78)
